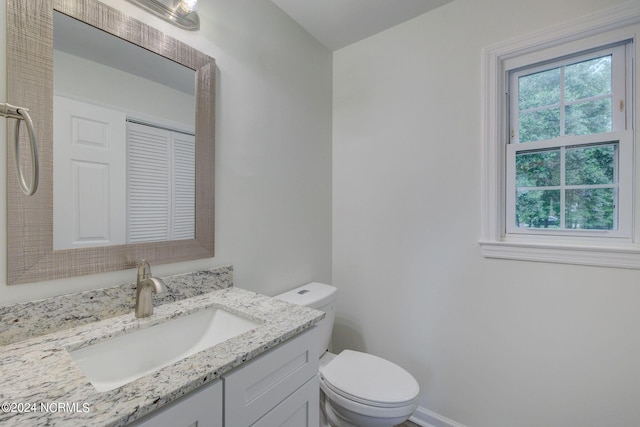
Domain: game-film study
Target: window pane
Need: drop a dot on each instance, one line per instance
(588, 78)
(538, 168)
(539, 125)
(590, 165)
(539, 89)
(590, 209)
(588, 117)
(538, 209)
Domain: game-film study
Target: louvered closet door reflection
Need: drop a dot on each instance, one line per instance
(149, 183)
(161, 184)
(184, 188)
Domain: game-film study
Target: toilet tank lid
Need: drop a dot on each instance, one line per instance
(314, 295)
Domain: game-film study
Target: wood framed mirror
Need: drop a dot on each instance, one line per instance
(31, 256)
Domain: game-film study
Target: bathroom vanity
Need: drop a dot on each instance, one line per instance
(264, 376)
(278, 388)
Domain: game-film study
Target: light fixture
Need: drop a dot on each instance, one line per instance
(181, 13)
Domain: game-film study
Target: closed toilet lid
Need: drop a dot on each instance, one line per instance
(369, 379)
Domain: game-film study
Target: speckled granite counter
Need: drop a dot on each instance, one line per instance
(41, 317)
(41, 370)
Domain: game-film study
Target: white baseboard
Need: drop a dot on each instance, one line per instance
(426, 418)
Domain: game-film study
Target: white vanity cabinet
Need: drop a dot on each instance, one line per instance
(277, 388)
(202, 408)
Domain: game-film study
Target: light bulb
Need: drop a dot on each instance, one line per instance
(188, 6)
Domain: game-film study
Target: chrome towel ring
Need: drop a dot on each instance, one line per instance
(22, 114)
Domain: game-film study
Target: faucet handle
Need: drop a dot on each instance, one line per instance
(144, 270)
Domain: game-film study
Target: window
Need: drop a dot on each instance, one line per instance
(568, 156)
(560, 176)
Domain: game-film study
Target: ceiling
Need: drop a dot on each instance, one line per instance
(338, 23)
(77, 38)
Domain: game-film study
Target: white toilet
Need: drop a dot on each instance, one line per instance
(357, 389)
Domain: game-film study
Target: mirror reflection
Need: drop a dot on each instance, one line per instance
(123, 159)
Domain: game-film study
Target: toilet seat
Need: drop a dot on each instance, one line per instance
(350, 409)
(369, 380)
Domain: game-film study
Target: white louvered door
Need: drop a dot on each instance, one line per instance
(184, 189)
(160, 184)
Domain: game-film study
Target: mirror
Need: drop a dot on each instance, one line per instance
(123, 160)
(39, 82)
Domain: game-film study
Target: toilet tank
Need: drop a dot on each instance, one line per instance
(321, 297)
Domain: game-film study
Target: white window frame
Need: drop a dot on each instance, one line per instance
(605, 28)
(621, 91)
(623, 187)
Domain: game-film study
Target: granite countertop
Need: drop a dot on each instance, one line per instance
(39, 376)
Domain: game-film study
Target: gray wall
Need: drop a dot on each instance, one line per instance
(273, 151)
(493, 342)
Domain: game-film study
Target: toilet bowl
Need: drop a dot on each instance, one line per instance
(357, 389)
(365, 390)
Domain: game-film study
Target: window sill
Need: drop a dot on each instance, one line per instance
(625, 255)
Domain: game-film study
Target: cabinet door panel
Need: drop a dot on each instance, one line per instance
(262, 383)
(301, 409)
(202, 408)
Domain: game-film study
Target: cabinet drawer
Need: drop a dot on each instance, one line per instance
(262, 383)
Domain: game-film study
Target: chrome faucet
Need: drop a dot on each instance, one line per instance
(145, 285)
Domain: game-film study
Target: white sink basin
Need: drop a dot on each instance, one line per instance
(112, 363)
